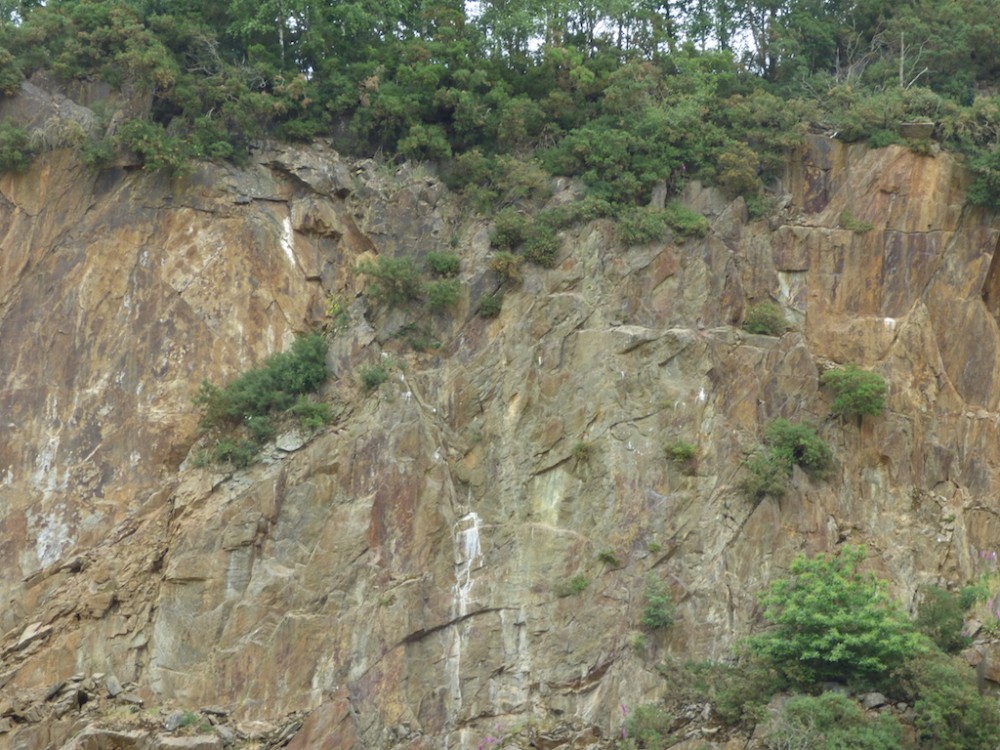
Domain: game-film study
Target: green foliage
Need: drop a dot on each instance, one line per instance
(797, 444)
(575, 585)
(648, 727)
(16, 150)
(507, 266)
(767, 476)
(681, 451)
(608, 557)
(856, 391)
(11, 74)
(582, 451)
(684, 221)
(312, 415)
(239, 453)
(541, 246)
(275, 386)
(831, 621)
(156, 147)
(639, 225)
(830, 721)
(985, 187)
(940, 617)
(443, 294)
(372, 376)
(510, 229)
(444, 265)
(951, 714)
(851, 223)
(765, 318)
(739, 692)
(395, 281)
(659, 612)
(243, 411)
(490, 305)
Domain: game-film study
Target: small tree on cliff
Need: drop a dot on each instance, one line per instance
(856, 391)
(833, 622)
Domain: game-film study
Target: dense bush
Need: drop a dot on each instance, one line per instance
(394, 281)
(831, 621)
(798, 444)
(648, 727)
(243, 411)
(443, 294)
(490, 305)
(765, 318)
(541, 246)
(16, 150)
(372, 376)
(951, 714)
(659, 612)
(637, 226)
(739, 692)
(830, 721)
(941, 617)
(684, 221)
(443, 265)
(507, 266)
(856, 391)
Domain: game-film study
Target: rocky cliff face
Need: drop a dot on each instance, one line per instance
(394, 581)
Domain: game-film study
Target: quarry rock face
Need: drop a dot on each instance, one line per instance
(465, 551)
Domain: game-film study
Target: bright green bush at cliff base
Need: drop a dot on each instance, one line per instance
(831, 621)
(830, 721)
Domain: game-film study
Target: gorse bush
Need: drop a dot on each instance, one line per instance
(16, 151)
(443, 294)
(856, 391)
(372, 376)
(275, 386)
(684, 221)
(950, 713)
(831, 621)
(830, 721)
(765, 318)
(941, 617)
(444, 265)
(639, 225)
(394, 281)
(786, 445)
(659, 612)
(648, 727)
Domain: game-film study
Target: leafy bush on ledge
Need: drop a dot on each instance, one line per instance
(856, 391)
(786, 445)
(243, 411)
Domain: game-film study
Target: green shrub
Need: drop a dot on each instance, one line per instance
(684, 221)
(372, 376)
(681, 451)
(443, 294)
(767, 476)
(659, 612)
(11, 74)
(16, 151)
(648, 727)
(882, 138)
(239, 453)
(490, 305)
(856, 391)
(758, 206)
(274, 386)
(507, 266)
(608, 557)
(851, 223)
(637, 226)
(582, 451)
(798, 444)
(510, 229)
(575, 585)
(739, 693)
(541, 246)
(830, 721)
(395, 281)
(940, 617)
(574, 212)
(951, 714)
(156, 147)
(312, 415)
(765, 318)
(833, 622)
(444, 265)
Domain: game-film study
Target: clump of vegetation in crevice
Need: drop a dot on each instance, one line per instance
(786, 445)
(765, 318)
(244, 414)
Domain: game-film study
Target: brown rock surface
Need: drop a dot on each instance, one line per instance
(392, 582)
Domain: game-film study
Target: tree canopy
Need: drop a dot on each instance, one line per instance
(623, 93)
